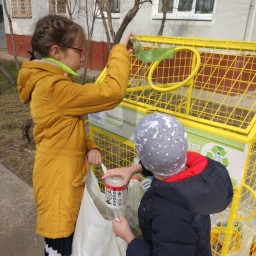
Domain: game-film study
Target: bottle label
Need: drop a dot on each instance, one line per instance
(115, 196)
(135, 178)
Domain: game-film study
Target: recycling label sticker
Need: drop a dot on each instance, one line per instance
(231, 153)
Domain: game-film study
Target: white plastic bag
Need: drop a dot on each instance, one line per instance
(93, 233)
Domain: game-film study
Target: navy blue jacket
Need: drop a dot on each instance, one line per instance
(174, 216)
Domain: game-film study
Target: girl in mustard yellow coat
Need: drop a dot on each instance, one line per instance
(57, 103)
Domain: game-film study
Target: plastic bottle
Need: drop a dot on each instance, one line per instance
(133, 200)
(116, 197)
(151, 55)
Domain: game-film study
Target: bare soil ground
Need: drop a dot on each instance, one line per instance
(16, 153)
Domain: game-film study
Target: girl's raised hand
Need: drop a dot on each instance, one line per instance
(126, 43)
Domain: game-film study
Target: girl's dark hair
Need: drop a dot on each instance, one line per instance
(54, 29)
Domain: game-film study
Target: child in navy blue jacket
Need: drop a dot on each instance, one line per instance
(174, 213)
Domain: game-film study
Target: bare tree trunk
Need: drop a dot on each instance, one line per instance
(101, 9)
(110, 25)
(105, 13)
(11, 30)
(89, 36)
(165, 7)
(127, 19)
(10, 78)
(69, 6)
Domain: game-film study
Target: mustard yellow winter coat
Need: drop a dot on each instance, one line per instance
(57, 104)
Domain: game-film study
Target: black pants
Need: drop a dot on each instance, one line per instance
(61, 246)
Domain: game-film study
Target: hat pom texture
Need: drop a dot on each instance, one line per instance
(161, 144)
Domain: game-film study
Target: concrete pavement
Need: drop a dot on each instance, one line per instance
(17, 217)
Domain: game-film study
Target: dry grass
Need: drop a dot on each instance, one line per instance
(16, 153)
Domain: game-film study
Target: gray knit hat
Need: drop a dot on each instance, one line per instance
(161, 144)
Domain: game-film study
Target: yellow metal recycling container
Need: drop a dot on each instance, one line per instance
(210, 86)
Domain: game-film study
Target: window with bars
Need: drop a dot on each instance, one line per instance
(21, 8)
(184, 9)
(57, 6)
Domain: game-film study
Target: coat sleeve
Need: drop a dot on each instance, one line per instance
(89, 144)
(171, 236)
(72, 98)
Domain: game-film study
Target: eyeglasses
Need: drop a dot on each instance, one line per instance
(81, 50)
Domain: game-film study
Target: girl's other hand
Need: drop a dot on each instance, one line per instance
(93, 156)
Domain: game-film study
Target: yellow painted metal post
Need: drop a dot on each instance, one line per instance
(190, 84)
(231, 221)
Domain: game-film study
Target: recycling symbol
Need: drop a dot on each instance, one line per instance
(218, 153)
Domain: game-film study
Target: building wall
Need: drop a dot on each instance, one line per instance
(232, 20)
(97, 58)
(229, 22)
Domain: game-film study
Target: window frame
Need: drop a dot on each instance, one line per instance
(53, 7)
(177, 15)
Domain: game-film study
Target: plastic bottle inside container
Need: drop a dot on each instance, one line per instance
(116, 197)
(133, 200)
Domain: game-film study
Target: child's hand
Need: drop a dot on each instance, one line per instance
(125, 41)
(93, 156)
(126, 172)
(122, 229)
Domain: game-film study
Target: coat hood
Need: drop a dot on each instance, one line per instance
(209, 191)
(33, 71)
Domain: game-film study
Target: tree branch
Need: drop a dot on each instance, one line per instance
(128, 17)
(11, 30)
